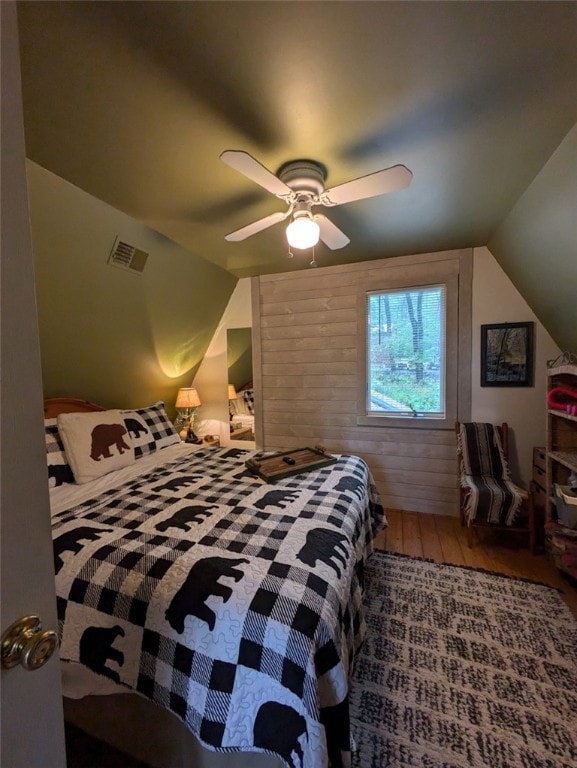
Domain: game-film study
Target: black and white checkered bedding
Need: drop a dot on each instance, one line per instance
(233, 603)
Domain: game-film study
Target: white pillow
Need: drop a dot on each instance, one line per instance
(95, 443)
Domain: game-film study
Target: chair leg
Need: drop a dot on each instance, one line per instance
(462, 505)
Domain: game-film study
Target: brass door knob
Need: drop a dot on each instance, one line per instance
(25, 643)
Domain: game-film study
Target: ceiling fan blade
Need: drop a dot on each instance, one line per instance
(378, 183)
(330, 234)
(256, 226)
(252, 169)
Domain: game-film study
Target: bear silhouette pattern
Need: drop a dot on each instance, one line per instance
(73, 541)
(232, 453)
(60, 473)
(135, 428)
(277, 498)
(103, 437)
(351, 485)
(95, 649)
(279, 728)
(324, 545)
(245, 474)
(184, 518)
(178, 482)
(202, 582)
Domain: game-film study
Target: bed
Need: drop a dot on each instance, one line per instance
(205, 596)
(242, 413)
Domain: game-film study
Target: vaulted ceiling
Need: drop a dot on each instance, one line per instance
(134, 102)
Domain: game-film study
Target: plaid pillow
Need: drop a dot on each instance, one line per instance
(59, 471)
(150, 429)
(248, 395)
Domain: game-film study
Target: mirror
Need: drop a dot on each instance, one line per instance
(239, 362)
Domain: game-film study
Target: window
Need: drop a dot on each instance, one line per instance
(406, 352)
(408, 374)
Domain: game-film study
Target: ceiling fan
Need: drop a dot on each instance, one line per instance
(301, 184)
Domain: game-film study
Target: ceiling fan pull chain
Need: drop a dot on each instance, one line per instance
(290, 254)
(313, 262)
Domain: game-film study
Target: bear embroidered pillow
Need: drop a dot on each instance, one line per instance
(95, 443)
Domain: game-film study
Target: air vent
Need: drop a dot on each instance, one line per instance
(127, 256)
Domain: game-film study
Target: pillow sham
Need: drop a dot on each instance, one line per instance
(150, 429)
(95, 443)
(59, 471)
(248, 396)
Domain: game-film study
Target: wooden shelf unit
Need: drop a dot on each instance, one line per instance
(561, 448)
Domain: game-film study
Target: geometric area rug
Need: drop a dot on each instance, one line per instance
(463, 669)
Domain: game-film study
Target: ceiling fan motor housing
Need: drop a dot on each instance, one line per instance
(303, 175)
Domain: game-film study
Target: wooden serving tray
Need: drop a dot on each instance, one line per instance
(289, 463)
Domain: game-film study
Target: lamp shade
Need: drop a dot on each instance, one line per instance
(187, 398)
(232, 392)
(302, 233)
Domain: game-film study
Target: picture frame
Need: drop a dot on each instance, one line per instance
(507, 354)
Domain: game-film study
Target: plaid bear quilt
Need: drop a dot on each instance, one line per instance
(234, 603)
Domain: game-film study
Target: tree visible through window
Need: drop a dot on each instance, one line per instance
(406, 352)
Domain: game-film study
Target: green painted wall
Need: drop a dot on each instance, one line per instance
(108, 335)
(536, 245)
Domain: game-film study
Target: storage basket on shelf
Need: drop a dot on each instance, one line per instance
(566, 505)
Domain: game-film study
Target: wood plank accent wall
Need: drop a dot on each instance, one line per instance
(305, 357)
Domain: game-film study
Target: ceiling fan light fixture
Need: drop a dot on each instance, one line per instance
(303, 233)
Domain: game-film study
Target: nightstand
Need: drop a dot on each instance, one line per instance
(242, 433)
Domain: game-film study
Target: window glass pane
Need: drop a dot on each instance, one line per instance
(406, 352)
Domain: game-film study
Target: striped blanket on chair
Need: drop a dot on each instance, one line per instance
(491, 496)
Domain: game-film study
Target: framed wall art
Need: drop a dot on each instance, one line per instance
(507, 355)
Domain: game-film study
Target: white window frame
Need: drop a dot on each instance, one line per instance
(410, 279)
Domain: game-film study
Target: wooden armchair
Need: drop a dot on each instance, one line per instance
(488, 497)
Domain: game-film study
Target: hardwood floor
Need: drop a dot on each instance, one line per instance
(444, 540)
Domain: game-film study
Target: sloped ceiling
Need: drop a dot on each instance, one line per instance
(537, 244)
(134, 102)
